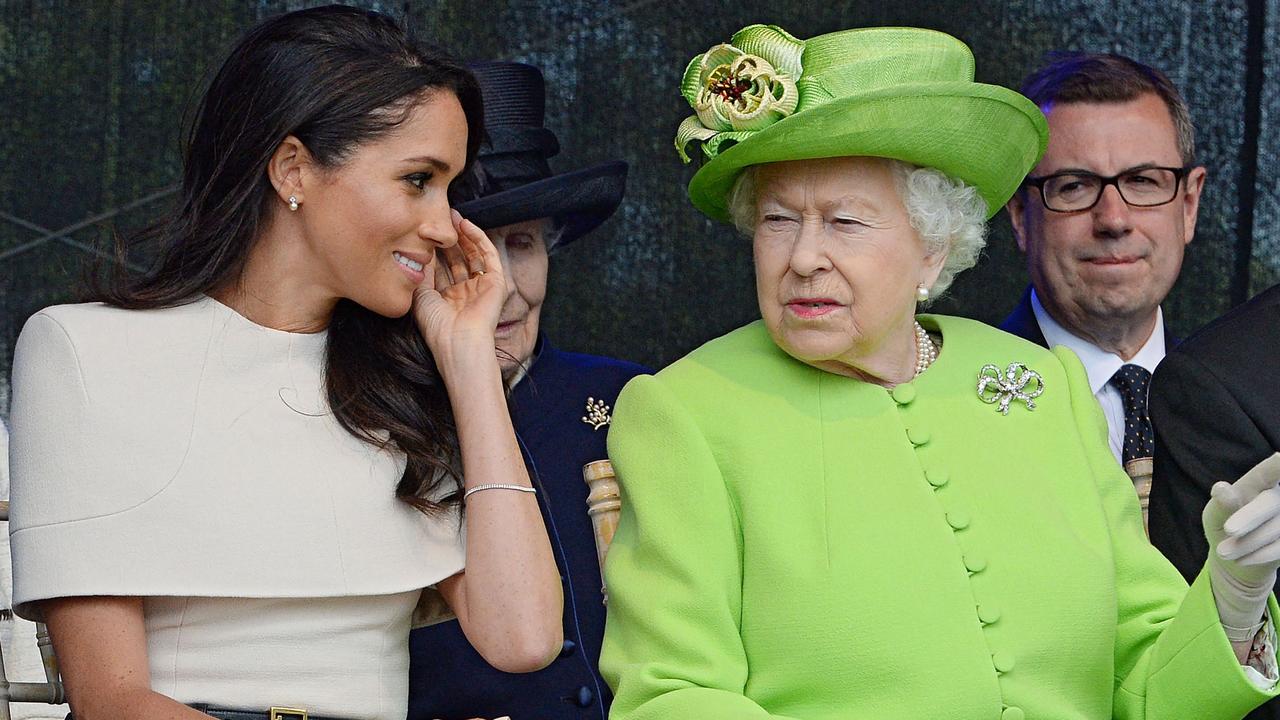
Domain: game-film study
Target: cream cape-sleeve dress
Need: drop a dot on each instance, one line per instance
(188, 456)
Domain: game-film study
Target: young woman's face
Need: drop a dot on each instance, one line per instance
(373, 224)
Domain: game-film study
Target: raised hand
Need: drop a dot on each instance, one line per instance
(458, 311)
(1242, 524)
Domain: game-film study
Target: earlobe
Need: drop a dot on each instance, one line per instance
(1191, 200)
(933, 268)
(286, 169)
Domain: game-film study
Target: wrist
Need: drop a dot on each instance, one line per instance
(1240, 604)
(1243, 634)
(468, 375)
(1254, 581)
(466, 355)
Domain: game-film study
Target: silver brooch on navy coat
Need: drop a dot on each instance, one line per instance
(1017, 382)
(597, 414)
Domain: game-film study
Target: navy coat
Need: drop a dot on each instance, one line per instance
(447, 678)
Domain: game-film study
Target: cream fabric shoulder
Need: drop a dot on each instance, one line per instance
(189, 451)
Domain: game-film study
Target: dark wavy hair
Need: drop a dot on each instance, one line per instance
(334, 77)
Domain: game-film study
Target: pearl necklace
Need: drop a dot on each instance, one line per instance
(926, 351)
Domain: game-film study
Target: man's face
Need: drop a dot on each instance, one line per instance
(1113, 262)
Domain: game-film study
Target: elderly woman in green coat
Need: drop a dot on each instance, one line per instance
(850, 511)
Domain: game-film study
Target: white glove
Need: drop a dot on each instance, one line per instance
(1242, 524)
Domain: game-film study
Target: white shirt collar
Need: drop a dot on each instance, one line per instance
(521, 371)
(1099, 364)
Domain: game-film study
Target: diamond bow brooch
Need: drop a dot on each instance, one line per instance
(1017, 382)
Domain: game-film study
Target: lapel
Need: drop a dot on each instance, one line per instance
(534, 399)
(1022, 321)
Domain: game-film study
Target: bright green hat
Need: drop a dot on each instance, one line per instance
(901, 93)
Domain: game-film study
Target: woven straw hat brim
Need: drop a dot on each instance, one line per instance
(986, 135)
(581, 200)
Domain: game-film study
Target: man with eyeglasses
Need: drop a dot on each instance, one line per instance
(1103, 220)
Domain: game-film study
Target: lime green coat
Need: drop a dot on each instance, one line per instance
(797, 544)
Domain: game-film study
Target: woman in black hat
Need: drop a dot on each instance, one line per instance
(234, 476)
(559, 404)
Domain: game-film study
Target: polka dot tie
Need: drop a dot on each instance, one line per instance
(1132, 381)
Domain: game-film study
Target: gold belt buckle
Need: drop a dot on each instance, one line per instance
(284, 713)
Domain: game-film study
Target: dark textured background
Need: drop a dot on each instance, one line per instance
(93, 93)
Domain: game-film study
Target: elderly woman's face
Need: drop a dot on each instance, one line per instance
(837, 261)
(523, 250)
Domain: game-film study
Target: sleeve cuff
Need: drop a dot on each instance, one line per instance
(1260, 669)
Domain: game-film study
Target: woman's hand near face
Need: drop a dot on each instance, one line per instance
(508, 601)
(458, 311)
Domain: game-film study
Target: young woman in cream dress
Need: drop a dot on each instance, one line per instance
(234, 476)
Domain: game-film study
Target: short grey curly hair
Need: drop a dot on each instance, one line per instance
(948, 215)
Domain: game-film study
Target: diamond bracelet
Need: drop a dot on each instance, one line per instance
(497, 486)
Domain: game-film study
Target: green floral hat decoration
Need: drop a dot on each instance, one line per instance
(901, 93)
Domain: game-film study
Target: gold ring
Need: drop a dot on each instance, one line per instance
(479, 272)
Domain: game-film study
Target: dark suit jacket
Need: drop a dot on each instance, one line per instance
(1022, 321)
(447, 678)
(1215, 406)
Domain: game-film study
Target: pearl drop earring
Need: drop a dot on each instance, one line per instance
(293, 204)
(922, 293)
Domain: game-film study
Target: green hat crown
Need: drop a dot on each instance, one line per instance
(860, 61)
(902, 93)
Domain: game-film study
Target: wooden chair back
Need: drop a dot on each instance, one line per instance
(51, 690)
(604, 504)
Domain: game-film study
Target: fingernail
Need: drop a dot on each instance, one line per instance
(457, 216)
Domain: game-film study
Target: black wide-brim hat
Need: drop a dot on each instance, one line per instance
(511, 181)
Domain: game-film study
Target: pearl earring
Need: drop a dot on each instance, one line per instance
(922, 293)
(293, 204)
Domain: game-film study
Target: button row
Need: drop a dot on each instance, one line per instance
(975, 563)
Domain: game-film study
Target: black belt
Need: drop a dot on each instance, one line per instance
(275, 713)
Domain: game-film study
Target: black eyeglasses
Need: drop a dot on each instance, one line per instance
(1139, 187)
